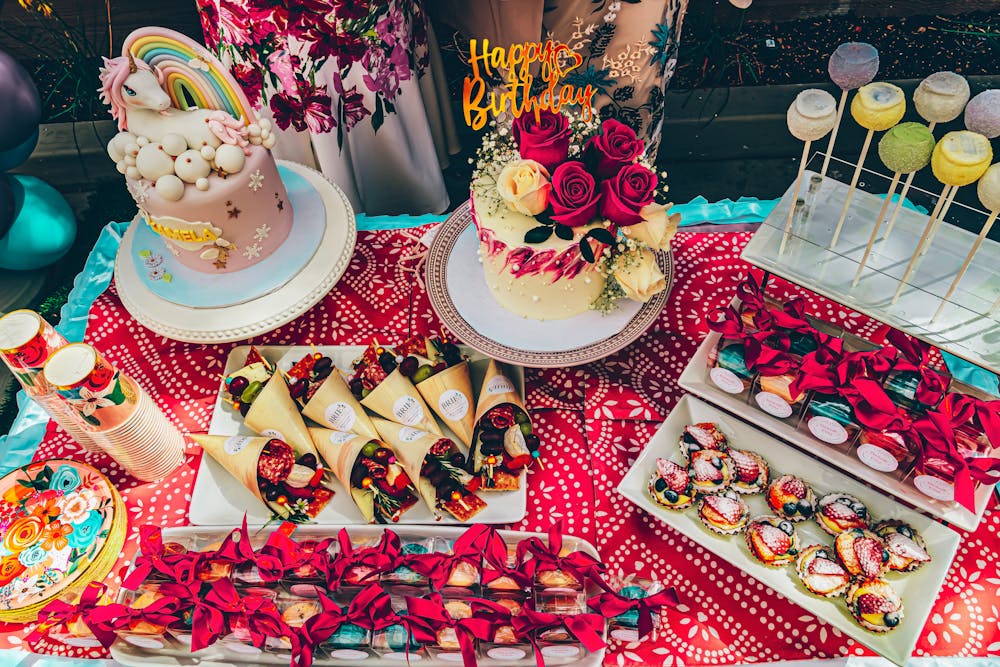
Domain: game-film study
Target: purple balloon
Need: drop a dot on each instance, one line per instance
(853, 64)
(20, 106)
(6, 205)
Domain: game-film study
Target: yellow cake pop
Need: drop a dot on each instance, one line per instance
(878, 106)
(960, 158)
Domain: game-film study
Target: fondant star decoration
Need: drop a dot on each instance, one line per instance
(262, 232)
(252, 251)
(281, 205)
(234, 212)
(256, 180)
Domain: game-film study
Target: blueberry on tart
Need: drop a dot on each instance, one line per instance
(838, 512)
(791, 498)
(875, 605)
(725, 514)
(772, 540)
(907, 549)
(670, 485)
(820, 572)
(711, 471)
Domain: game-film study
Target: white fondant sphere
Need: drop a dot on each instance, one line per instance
(121, 166)
(133, 173)
(208, 153)
(270, 141)
(174, 144)
(132, 148)
(154, 162)
(255, 141)
(201, 184)
(116, 147)
(129, 160)
(229, 158)
(253, 129)
(142, 141)
(190, 166)
(265, 123)
(264, 134)
(170, 187)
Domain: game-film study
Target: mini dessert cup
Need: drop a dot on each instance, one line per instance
(889, 452)
(404, 576)
(902, 389)
(774, 395)
(446, 647)
(830, 419)
(505, 646)
(464, 579)
(238, 644)
(143, 633)
(625, 627)
(728, 369)
(558, 646)
(350, 643)
(561, 600)
(397, 644)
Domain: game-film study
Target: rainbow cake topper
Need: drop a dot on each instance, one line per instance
(193, 77)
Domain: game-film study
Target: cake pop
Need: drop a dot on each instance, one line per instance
(852, 65)
(810, 117)
(876, 107)
(982, 114)
(959, 159)
(989, 196)
(904, 149)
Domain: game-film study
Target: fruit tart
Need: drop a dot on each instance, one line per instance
(750, 471)
(670, 485)
(725, 514)
(711, 471)
(875, 605)
(907, 549)
(791, 498)
(772, 540)
(821, 573)
(837, 512)
(704, 435)
(862, 553)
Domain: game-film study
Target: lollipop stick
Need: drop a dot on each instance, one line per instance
(795, 197)
(968, 260)
(878, 225)
(833, 134)
(937, 223)
(854, 184)
(902, 194)
(920, 243)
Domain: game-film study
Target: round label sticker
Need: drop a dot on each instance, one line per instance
(450, 657)
(348, 654)
(410, 434)
(935, 487)
(506, 653)
(726, 380)
(144, 642)
(305, 590)
(561, 651)
(877, 458)
(240, 647)
(338, 438)
(273, 433)
(625, 634)
(773, 404)
(453, 404)
(408, 410)
(79, 642)
(340, 416)
(235, 444)
(414, 657)
(828, 430)
(499, 385)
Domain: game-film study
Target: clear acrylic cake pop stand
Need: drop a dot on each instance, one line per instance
(964, 328)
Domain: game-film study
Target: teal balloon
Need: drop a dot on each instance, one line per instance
(43, 228)
(6, 205)
(18, 154)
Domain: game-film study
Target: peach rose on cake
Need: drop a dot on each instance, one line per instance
(640, 277)
(657, 228)
(524, 186)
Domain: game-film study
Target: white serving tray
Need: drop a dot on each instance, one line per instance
(918, 589)
(695, 379)
(219, 500)
(134, 656)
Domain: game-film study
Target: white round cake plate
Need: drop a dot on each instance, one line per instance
(459, 295)
(256, 316)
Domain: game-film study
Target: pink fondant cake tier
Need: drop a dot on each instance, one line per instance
(238, 221)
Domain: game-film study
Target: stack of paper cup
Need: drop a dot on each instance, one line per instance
(117, 413)
(26, 343)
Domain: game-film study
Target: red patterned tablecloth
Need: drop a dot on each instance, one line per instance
(594, 420)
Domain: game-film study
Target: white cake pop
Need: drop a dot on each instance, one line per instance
(941, 97)
(812, 115)
(153, 162)
(982, 114)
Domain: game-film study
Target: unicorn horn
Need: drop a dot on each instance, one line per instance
(132, 67)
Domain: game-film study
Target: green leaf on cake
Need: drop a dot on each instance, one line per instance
(586, 251)
(564, 232)
(538, 234)
(603, 235)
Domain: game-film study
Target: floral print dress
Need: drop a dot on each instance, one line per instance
(349, 85)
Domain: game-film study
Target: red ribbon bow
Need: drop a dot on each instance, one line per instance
(369, 609)
(768, 354)
(59, 612)
(726, 321)
(587, 628)
(154, 558)
(873, 408)
(916, 358)
(753, 304)
(379, 558)
(611, 604)
(105, 620)
(546, 557)
(469, 548)
(260, 613)
(428, 616)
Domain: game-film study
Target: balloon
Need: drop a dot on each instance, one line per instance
(43, 228)
(15, 156)
(6, 206)
(20, 106)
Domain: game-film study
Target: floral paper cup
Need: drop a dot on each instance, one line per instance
(92, 387)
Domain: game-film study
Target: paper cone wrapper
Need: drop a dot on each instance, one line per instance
(411, 446)
(497, 389)
(396, 399)
(340, 450)
(449, 393)
(238, 454)
(334, 406)
(273, 414)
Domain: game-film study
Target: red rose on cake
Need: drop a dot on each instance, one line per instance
(624, 195)
(612, 149)
(544, 139)
(574, 197)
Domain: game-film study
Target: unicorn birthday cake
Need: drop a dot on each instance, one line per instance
(195, 156)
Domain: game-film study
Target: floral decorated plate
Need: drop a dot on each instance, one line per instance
(59, 520)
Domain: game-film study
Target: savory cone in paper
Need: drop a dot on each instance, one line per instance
(238, 454)
(449, 393)
(411, 446)
(497, 389)
(340, 450)
(396, 399)
(273, 413)
(334, 406)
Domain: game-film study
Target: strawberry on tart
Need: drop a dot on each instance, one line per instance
(875, 605)
(704, 435)
(725, 514)
(862, 553)
(820, 572)
(838, 512)
(791, 498)
(750, 471)
(907, 549)
(772, 540)
(670, 485)
(711, 471)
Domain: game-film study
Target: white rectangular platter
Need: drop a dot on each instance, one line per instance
(918, 589)
(964, 328)
(696, 380)
(219, 500)
(134, 656)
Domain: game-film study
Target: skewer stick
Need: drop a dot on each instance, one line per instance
(833, 134)
(902, 194)
(878, 225)
(854, 184)
(968, 260)
(937, 223)
(795, 197)
(920, 243)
